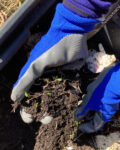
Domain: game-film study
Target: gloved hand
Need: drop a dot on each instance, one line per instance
(101, 101)
(65, 42)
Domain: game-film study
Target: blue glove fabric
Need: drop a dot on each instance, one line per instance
(64, 43)
(88, 8)
(63, 24)
(103, 97)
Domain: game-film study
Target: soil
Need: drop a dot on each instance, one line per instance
(56, 94)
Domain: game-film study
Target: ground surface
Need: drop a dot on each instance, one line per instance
(56, 94)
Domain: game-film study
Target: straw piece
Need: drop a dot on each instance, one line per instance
(7, 8)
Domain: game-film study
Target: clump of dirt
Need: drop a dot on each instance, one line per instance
(56, 95)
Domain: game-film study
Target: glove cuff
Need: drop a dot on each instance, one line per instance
(72, 20)
(88, 8)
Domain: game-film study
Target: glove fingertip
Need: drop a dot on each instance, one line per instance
(13, 97)
(16, 97)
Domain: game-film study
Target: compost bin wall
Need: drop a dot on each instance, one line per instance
(16, 29)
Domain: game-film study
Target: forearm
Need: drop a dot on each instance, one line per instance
(88, 8)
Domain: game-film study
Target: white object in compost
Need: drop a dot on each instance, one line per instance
(97, 61)
(27, 118)
(109, 142)
(70, 148)
(46, 120)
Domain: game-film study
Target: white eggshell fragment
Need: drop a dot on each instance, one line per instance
(70, 148)
(109, 142)
(46, 120)
(97, 61)
(80, 102)
(27, 118)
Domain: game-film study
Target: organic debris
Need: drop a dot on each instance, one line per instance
(7, 8)
(57, 96)
(3, 17)
(52, 102)
(109, 142)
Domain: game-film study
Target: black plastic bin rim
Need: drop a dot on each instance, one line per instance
(16, 18)
(38, 8)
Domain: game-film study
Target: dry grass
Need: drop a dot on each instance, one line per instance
(3, 18)
(7, 8)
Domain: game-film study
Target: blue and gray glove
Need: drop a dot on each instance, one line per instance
(101, 101)
(65, 42)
